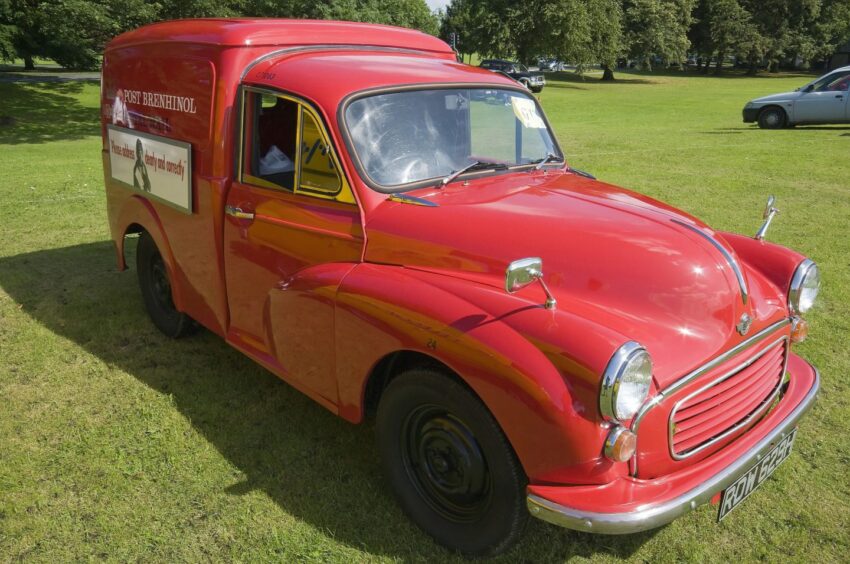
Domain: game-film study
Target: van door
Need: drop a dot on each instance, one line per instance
(289, 209)
(826, 102)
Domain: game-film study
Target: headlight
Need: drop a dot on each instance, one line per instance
(625, 383)
(804, 287)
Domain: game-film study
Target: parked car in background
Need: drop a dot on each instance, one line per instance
(824, 100)
(551, 65)
(519, 72)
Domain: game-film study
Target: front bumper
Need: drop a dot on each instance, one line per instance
(617, 508)
(751, 115)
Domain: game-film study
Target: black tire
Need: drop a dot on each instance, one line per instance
(537, 90)
(449, 464)
(772, 117)
(156, 291)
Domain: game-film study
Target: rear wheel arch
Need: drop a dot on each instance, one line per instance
(137, 217)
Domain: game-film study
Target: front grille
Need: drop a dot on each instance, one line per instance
(728, 403)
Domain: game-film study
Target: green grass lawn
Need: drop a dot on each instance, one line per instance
(118, 444)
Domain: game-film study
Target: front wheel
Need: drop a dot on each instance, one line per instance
(156, 291)
(449, 464)
(772, 118)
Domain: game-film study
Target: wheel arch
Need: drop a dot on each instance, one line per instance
(390, 319)
(395, 363)
(776, 106)
(138, 216)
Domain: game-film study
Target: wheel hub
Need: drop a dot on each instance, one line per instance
(446, 464)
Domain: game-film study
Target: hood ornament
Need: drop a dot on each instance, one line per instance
(769, 213)
(744, 323)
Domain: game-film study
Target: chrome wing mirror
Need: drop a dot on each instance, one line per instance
(769, 213)
(520, 273)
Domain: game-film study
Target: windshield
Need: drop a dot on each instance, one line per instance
(409, 137)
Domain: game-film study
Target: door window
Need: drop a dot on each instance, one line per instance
(285, 147)
(835, 82)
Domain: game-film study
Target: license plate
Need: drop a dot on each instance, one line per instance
(747, 484)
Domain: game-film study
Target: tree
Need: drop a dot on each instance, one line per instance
(732, 30)
(581, 32)
(458, 18)
(74, 32)
(658, 28)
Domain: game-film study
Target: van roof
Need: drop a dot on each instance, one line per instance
(235, 32)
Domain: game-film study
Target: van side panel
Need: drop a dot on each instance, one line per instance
(163, 95)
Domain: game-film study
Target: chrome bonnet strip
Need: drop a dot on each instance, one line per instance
(736, 268)
(691, 376)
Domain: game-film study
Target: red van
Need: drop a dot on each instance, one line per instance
(399, 235)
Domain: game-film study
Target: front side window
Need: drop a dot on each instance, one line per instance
(285, 147)
(417, 136)
(832, 83)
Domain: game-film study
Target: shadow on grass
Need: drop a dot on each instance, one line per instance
(314, 465)
(726, 74)
(45, 112)
(754, 129)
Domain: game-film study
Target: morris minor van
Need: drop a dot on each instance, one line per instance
(399, 236)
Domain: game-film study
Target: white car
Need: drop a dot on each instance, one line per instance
(824, 100)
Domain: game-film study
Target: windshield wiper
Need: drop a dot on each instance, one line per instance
(547, 159)
(477, 165)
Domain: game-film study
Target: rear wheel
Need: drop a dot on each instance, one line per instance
(449, 464)
(772, 118)
(156, 291)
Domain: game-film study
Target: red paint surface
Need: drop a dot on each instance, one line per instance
(319, 292)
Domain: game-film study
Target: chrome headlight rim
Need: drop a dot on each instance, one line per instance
(795, 291)
(612, 376)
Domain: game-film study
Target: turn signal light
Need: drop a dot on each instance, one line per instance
(799, 330)
(620, 444)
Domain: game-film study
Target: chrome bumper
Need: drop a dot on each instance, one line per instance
(656, 515)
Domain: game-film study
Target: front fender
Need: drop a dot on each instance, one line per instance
(774, 262)
(509, 351)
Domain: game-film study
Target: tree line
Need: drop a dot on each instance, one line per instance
(757, 33)
(74, 32)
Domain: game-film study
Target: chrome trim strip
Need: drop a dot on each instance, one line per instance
(759, 411)
(327, 47)
(736, 268)
(413, 200)
(652, 516)
(800, 274)
(686, 379)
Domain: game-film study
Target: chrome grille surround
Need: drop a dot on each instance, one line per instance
(759, 411)
(659, 397)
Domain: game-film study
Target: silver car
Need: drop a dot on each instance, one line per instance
(824, 100)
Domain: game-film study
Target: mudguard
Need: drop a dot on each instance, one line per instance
(511, 352)
(136, 210)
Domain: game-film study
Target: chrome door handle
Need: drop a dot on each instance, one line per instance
(238, 213)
